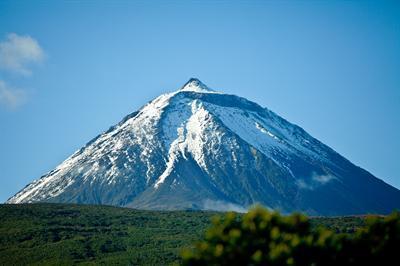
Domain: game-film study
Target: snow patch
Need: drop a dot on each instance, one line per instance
(196, 85)
(189, 137)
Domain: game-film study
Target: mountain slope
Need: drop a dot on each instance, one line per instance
(200, 149)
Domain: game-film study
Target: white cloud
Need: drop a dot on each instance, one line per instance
(17, 53)
(218, 205)
(11, 97)
(303, 185)
(322, 179)
(315, 181)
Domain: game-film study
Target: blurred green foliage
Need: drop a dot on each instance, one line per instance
(261, 237)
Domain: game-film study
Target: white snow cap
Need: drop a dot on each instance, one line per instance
(195, 85)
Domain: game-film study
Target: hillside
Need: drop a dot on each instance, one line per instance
(62, 234)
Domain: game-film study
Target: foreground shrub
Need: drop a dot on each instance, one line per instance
(261, 237)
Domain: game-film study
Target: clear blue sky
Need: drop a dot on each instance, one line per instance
(331, 67)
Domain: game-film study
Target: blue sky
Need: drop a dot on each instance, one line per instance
(70, 70)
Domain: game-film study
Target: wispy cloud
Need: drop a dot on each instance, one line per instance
(11, 97)
(18, 53)
(322, 179)
(315, 181)
(218, 205)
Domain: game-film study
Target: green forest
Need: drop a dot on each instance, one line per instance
(65, 234)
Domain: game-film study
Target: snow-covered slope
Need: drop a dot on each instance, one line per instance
(197, 148)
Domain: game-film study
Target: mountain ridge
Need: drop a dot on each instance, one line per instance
(197, 148)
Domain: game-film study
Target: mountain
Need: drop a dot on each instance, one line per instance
(201, 149)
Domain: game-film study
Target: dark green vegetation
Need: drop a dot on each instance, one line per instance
(261, 237)
(60, 234)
